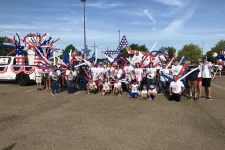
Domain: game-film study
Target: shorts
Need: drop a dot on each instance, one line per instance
(206, 82)
(38, 79)
(133, 94)
(193, 83)
(199, 79)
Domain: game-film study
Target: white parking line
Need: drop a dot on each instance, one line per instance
(222, 88)
(31, 90)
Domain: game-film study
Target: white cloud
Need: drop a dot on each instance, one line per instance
(149, 16)
(100, 5)
(177, 24)
(172, 2)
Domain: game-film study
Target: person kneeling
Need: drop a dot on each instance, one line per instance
(144, 93)
(91, 87)
(134, 90)
(106, 88)
(176, 89)
(152, 93)
(117, 88)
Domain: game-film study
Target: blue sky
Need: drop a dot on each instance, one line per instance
(166, 22)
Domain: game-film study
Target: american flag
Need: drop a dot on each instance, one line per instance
(20, 55)
(123, 44)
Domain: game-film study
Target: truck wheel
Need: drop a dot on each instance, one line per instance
(23, 79)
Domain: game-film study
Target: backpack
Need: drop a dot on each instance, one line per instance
(70, 76)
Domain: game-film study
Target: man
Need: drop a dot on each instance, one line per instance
(163, 86)
(136, 58)
(159, 59)
(70, 78)
(38, 77)
(220, 68)
(176, 89)
(193, 80)
(55, 76)
(206, 77)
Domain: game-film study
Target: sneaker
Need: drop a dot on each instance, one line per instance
(46, 88)
(53, 94)
(208, 98)
(119, 95)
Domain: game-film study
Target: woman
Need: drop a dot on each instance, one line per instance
(151, 74)
(138, 73)
(70, 78)
(55, 76)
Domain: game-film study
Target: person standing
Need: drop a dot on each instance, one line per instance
(163, 86)
(38, 77)
(151, 74)
(193, 80)
(206, 77)
(55, 76)
(220, 68)
(176, 89)
(70, 78)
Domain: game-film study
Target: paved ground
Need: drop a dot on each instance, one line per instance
(32, 120)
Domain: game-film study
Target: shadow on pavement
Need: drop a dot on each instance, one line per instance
(10, 147)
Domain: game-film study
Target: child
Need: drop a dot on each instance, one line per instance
(144, 93)
(117, 88)
(106, 88)
(134, 90)
(152, 93)
(91, 87)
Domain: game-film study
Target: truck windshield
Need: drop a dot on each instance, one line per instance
(4, 60)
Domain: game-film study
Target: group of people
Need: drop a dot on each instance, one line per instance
(144, 82)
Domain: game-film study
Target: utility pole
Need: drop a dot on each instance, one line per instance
(119, 37)
(94, 46)
(85, 45)
(202, 48)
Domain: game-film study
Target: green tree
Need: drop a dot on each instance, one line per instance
(191, 50)
(142, 48)
(5, 50)
(70, 47)
(125, 53)
(171, 51)
(217, 48)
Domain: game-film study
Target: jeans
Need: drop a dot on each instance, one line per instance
(163, 86)
(149, 83)
(55, 86)
(70, 86)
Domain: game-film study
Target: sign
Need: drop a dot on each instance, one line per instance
(4, 61)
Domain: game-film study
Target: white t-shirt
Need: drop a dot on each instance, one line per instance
(106, 86)
(70, 71)
(159, 58)
(128, 69)
(151, 72)
(165, 71)
(101, 71)
(144, 92)
(118, 73)
(176, 69)
(153, 91)
(146, 61)
(176, 86)
(109, 69)
(134, 88)
(93, 70)
(136, 59)
(38, 72)
(55, 74)
(138, 73)
(206, 70)
(117, 85)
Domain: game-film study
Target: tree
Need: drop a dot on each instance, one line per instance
(5, 50)
(191, 50)
(70, 47)
(171, 51)
(217, 48)
(125, 53)
(142, 48)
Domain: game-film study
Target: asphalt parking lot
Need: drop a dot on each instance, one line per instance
(36, 120)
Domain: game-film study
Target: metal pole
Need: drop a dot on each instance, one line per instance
(84, 27)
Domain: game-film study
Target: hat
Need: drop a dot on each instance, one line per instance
(152, 87)
(204, 57)
(100, 63)
(163, 64)
(159, 51)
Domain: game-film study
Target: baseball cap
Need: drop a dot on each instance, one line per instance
(152, 87)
